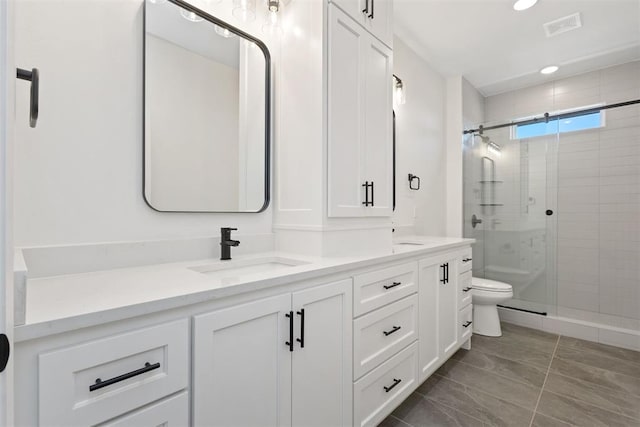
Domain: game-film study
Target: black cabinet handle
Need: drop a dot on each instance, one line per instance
(395, 383)
(393, 285)
(100, 384)
(467, 324)
(366, 7)
(366, 186)
(467, 259)
(373, 2)
(467, 289)
(290, 342)
(373, 191)
(34, 77)
(444, 276)
(394, 329)
(301, 339)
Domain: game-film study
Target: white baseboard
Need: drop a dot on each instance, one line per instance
(590, 331)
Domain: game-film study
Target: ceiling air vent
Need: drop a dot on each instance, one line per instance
(562, 25)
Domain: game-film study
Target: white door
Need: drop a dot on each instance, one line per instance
(379, 125)
(322, 359)
(7, 112)
(346, 192)
(448, 306)
(242, 365)
(429, 276)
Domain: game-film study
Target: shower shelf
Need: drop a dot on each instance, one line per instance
(491, 204)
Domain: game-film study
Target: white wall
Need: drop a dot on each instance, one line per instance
(191, 130)
(598, 192)
(420, 145)
(79, 173)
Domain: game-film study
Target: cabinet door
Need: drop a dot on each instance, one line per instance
(379, 125)
(322, 359)
(353, 8)
(242, 366)
(345, 116)
(429, 276)
(448, 306)
(379, 19)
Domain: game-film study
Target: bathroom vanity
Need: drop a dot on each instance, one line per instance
(265, 339)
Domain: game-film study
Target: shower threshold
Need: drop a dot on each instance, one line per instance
(541, 313)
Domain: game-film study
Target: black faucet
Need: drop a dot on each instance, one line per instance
(226, 243)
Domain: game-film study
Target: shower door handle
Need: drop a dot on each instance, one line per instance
(475, 221)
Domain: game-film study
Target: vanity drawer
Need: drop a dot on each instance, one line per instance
(171, 412)
(99, 380)
(381, 287)
(382, 333)
(465, 320)
(380, 391)
(465, 261)
(464, 290)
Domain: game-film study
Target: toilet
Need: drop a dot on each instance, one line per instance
(485, 295)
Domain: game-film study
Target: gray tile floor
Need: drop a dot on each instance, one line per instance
(528, 378)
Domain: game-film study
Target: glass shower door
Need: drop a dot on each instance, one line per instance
(510, 186)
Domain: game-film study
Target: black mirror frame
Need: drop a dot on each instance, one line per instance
(268, 96)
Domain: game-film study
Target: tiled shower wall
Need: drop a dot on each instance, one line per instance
(598, 193)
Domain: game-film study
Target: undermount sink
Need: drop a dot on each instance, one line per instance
(236, 268)
(409, 244)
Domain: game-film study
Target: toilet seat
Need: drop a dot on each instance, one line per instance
(490, 285)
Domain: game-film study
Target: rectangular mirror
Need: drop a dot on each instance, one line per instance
(206, 113)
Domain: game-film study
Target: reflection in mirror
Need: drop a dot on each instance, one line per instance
(207, 116)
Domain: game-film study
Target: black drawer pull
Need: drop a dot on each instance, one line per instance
(395, 383)
(467, 289)
(467, 259)
(100, 384)
(366, 7)
(394, 329)
(289, 315)
(393, 285)
(467, 324)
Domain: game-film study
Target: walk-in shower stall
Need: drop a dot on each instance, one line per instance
(553, 201)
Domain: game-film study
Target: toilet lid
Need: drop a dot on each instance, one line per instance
(490, 285)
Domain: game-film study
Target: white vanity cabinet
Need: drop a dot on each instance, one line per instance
(97, 381)
(279, 361)
(438, 309)
(360, 104)
(375, 15)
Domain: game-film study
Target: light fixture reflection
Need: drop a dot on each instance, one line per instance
(222, 32)
(190, 16)
(244, 10)
(272, 24)
(399, 91)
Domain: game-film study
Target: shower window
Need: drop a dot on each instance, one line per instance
(570, 124)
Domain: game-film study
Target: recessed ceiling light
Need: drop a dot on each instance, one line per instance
(524, 4)
(550, 69)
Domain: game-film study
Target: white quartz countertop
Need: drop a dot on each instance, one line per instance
(68, 302)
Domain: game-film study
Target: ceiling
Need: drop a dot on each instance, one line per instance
(498, 49)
